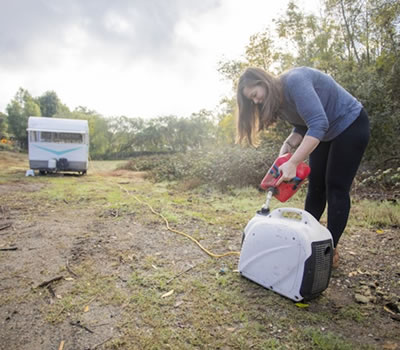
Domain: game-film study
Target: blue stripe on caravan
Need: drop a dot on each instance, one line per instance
(58, 153)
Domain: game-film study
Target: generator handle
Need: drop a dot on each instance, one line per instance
(306, 217)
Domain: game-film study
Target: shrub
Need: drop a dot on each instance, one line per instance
(226, 167)
(383, 179)
(7, 147)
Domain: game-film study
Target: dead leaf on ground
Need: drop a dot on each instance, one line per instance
(179, 303)
(302, 305)
(390, 346)
(167, 294)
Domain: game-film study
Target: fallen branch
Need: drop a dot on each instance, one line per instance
(51, 291)
(70, 271)
(78, 324)
(100, 344)
(4, 227)
(46, 283)
(10, 248)
(181, 273)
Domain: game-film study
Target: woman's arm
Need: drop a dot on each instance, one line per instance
(291, 143)
(288, 169)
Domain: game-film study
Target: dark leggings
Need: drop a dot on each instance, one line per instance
(334, 165)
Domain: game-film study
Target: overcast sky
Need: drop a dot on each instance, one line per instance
(138, 58)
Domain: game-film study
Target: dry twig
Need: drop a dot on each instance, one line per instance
(51, 291)
(61, 347)
(4, 227)
(9, 248)
(46, 283)
(100, 344)
(70, 271)
(78, 324)
(181, 273)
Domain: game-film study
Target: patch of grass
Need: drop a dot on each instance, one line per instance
(372, 214)
(211, 306)
(90, 287)
(326, 340)
(96, 166)
(352, 313)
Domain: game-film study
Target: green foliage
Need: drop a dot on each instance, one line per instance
(227, 130)
(231, 69)
(225, 168)
(50, 105)
(19, 110)
(129, 136)
(356, 42)
(99, 133)
(308, 40)
(385, 179)
(118, 137)
(260, 51)
(385, 214)
(328, 341)
(6, 147)
(3, 126)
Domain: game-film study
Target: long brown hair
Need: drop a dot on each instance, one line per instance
(253, 118)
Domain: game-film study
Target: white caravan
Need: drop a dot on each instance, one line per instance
(58, 144)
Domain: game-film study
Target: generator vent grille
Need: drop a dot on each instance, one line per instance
(317, 269)
(322, 267)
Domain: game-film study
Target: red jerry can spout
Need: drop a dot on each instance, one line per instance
(286, 189)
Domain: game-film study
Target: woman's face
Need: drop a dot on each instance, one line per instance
(255, 93)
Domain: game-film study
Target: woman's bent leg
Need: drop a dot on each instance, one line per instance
(316, 192)
(344, 159)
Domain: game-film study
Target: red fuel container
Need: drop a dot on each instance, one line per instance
(286, 189)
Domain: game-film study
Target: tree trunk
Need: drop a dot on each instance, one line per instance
(349, 34)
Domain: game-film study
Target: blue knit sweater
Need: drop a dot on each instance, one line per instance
(316, 105)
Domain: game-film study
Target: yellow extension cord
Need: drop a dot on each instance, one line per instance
(179, 232)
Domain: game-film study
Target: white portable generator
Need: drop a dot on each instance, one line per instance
(287, 251)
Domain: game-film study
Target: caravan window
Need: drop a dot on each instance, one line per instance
(34, 136)
(64, 137)
(45, 136)
(56, 137)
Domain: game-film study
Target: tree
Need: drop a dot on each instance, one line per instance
(19, 110)
(308, 40)
(123, 136)
(50, 105)
(226, 131)
(231, 70)
(260, 51)
(357, 42)
(3, 126)
(99, 134)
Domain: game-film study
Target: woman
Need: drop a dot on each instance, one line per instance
(330, 127)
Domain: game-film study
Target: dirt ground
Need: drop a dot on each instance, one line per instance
(40, 242)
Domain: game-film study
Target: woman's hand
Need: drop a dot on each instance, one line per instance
(288, 172)
(288, 169)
